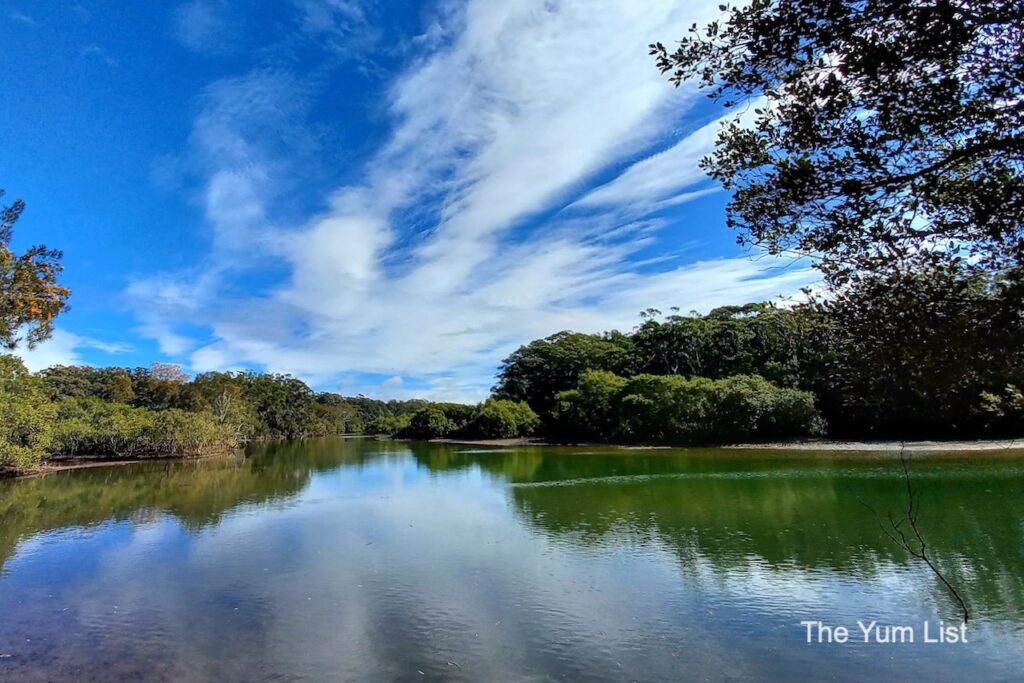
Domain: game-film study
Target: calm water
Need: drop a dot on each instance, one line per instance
(363, 560)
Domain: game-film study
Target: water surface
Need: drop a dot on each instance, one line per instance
(365, 560)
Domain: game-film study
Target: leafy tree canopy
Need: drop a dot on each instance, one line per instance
(537, 371)
(885, 131)
(30, 297)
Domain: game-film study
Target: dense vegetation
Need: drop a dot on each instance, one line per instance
(936, 355)
(902, 356)
(160, 411)
(676, 409)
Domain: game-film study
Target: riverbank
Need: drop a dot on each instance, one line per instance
(81, 463)
(54, 466)
(819, 445)
(888, 446)
(807, 445)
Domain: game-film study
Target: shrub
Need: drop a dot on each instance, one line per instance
(494, 420)
(90, 426)
(114, 430)
(428, 423)
(26, 416)
(177, 432)
(748, 406)
(586, 411)
(671, 408)
(526, 420)
(1003, 413)
(502, 419)
(458, 414)
(388, 424)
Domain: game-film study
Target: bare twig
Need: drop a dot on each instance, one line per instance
(915, 547)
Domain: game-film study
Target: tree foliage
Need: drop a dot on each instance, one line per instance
(30, 296)
(731, 340)
(492, 419)
(537, 371)
(676, 409)
(26, 416)
(907, 354)
(92, 427)
(160, 411)
(914, 354)
(428, 423)
(885, 132)
(502, 419)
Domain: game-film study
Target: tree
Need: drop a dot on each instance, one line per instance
(754, 339)
(223, 393)
(283, 404)
(536, 372)
(917, 354)
(675, 409)
(885, 132)
(168, 372)
(502, 419)
(30, 297)
(26, 416)
(66, 381)
(156, 388)
(586, 411)
(387, 424)
(428, 423)
(118, 386)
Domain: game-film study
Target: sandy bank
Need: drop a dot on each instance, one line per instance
(810, 445)
(889, 446)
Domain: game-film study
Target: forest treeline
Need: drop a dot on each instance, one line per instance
(75, 411)
(933, 354)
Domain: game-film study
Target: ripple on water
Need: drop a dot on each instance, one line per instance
(556, 566)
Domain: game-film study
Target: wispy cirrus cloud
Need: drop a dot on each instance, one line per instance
(64, 348)
(206, 26)
(475, 225)
(21, 17)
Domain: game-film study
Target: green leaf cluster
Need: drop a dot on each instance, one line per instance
(675, 409)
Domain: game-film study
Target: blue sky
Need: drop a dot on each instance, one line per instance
(378, 197)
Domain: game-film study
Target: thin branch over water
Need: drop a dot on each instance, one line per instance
(914, 545)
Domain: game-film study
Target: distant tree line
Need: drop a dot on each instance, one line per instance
(69, 411)
(938, 354)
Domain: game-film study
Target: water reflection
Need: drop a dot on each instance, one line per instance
(196, 492)
(365, 560)
(789, 511)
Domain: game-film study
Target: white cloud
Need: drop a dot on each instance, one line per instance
(97, 52)
(511, 116)
(21, 16)
(204, 26)
(242, 139)
(662, 176)
(63, 349)
(659, 176)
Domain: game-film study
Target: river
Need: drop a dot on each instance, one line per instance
(336, 560)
